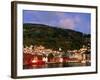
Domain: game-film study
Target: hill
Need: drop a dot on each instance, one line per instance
(52, 37)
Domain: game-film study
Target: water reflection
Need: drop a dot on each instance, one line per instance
(55, 65)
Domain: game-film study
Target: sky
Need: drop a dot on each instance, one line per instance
(67, 20)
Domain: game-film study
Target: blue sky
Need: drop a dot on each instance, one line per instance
(67, 20)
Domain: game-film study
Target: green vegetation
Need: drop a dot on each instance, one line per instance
(54, 38)
(51, 55)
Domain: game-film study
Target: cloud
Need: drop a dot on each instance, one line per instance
(67, 23)
(77, 19)
(70, 21)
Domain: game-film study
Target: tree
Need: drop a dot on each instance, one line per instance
(50, 55)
